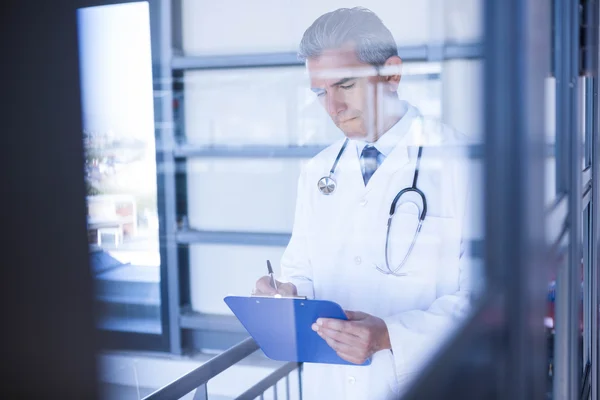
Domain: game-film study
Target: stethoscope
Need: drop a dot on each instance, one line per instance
(328, 184)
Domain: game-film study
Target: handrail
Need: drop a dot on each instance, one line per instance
(268, 381)
(201, 375)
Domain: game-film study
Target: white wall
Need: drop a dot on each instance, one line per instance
(242, 195)
(235, 26)
(217, 271)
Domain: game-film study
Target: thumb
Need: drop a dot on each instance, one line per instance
(355, 315)
(263, 286)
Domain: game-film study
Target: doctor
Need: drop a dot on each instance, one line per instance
(403, 296)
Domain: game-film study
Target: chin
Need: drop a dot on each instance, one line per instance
(353, 132)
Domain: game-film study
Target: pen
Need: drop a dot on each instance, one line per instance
(271, 274)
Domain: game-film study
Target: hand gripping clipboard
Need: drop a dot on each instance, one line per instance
(282, 327)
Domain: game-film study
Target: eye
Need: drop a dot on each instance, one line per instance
(348, 86)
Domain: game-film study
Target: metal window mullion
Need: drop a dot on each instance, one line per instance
(166, 187)
(595, 235)
(560, 27)
(587, 286)
(567, 362)
(190, 151)
(516, 62)
(591, 67)
(575, 194)
(589, 117)
(191, 236)
(186, 151)
(426, 52)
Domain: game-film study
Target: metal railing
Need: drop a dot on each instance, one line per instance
(198, 378)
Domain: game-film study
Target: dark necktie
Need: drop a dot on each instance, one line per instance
(368, 158)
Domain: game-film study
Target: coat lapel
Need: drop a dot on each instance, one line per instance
(398, 159)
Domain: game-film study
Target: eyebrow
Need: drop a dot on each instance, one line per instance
(342, 81)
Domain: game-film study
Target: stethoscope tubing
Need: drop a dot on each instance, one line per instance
(327, 185)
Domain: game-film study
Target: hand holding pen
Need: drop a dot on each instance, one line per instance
(269, 286)
(270, 270)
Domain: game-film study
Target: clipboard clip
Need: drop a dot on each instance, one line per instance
(279, 296)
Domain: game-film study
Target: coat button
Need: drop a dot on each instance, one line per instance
(363, 202)
(357, 260)
(351, 380)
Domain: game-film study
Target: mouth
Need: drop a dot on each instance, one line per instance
(347, 120)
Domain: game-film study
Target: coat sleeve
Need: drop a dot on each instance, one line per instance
(416, 335)
(295, 264)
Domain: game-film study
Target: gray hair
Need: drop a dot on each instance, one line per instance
(374, 42)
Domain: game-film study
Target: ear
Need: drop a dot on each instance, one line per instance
(394, 66)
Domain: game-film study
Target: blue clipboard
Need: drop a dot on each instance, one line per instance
(282, 327)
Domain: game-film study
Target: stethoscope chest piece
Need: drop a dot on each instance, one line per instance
(327, 185)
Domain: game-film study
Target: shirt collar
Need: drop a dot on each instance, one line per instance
(386, 143)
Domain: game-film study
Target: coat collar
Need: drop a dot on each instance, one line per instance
(388, 141)
(397, 142)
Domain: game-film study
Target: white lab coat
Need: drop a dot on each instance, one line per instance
(337, 240)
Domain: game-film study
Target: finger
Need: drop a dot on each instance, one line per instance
(341, 337)
(339, 325)
(337, 346)
(286, 289)
(263, 286)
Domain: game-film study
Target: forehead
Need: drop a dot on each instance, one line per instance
(333, 65)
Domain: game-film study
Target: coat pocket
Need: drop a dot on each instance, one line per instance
(414, 251)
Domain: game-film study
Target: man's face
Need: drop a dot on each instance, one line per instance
(350, 98)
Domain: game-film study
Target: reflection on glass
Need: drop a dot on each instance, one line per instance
(585, 86)
(221, 107)
(271, 27)
(120, 165)
(259, 195)
(341, 249)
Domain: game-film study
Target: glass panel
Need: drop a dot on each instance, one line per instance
(217, 271)
(550, 140)
(242, 195)
(221, 108)
(120, 165)
(582, 87)
(555, 220)
(276, 26)
(247, 176)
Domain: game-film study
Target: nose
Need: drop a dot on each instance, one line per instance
(334, 105)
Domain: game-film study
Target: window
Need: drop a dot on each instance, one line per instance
(120, 165)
